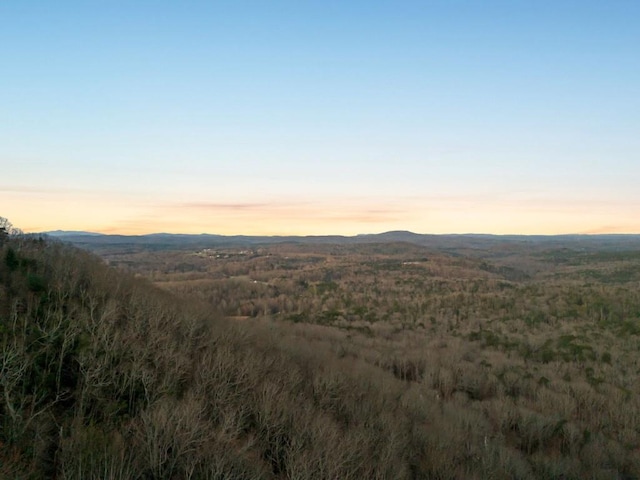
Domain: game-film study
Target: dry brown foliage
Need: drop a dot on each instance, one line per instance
(360, 362)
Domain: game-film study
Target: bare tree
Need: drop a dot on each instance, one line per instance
(7, 228)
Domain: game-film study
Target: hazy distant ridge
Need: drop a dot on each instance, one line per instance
(92, 240)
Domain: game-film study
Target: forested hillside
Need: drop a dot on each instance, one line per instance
(104, 375)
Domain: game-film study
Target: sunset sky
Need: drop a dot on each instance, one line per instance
(320, 117)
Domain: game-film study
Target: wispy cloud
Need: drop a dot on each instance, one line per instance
(216, 207)
(268, 217)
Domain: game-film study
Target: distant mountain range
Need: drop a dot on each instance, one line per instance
(73, 233)
(97, 241)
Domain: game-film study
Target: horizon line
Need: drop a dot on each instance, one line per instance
(280, 235)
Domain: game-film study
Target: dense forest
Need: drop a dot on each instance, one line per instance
(327, 361)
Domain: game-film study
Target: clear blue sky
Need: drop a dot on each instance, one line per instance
(320, 116)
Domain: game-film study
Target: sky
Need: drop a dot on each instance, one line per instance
(320, 117)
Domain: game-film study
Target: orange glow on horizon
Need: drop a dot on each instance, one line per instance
(130, 215)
